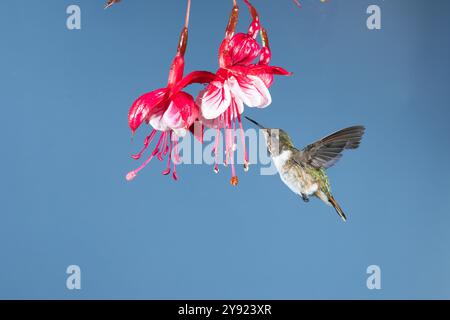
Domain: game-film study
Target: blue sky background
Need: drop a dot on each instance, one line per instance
(65, 150)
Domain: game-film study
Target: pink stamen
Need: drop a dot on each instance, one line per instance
(241, 129)
(216, 151)
(131, 175)
(233, 141)
(176, 159)
(147, 142)
(167, 146)
(228, 139)
(163, 148)
(227, 136)
(167, 171)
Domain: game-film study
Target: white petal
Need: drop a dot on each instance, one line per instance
(170, 120)
(172, 117)
(214, 100)
(251, 90)
(158, 123)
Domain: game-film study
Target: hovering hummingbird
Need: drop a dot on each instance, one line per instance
(303, 171)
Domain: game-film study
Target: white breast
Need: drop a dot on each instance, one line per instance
(291, 181)
(298, 184)
(281, 159)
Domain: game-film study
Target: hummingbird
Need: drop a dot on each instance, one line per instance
(304, 171)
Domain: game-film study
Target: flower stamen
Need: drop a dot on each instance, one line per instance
(169, 147)
(163, 145)
(131, 175)
(216, 151)
(147, 142)
(176, 157)
(242, 133)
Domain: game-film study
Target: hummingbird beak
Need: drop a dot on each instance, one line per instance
(254, 122)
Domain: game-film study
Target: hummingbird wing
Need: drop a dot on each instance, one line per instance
(327, 151)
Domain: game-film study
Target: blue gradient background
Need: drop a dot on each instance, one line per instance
(65, 150)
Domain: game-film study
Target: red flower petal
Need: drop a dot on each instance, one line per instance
(267, 78)
(147, 106)
(176, 70)
(266, 73)
(265, 57)
(243, 49)
(194, 77)
(224, 54)
(261, 69)
(187, 108)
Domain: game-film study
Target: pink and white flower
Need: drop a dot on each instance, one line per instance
(238, 82)
(168, 110)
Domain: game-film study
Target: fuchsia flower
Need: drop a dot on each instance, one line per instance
(168, 110)
(240, 80)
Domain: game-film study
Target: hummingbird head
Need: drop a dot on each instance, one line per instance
(277, 140)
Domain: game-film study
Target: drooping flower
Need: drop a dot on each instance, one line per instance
(168, 110)
(239, 81)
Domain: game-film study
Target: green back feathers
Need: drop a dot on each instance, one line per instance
(285, 140)
(321, 176)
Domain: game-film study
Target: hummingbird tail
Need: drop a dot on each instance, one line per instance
(338, 208)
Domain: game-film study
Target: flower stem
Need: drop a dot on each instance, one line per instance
(188, 13)
(232, 22)
(182, 44)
